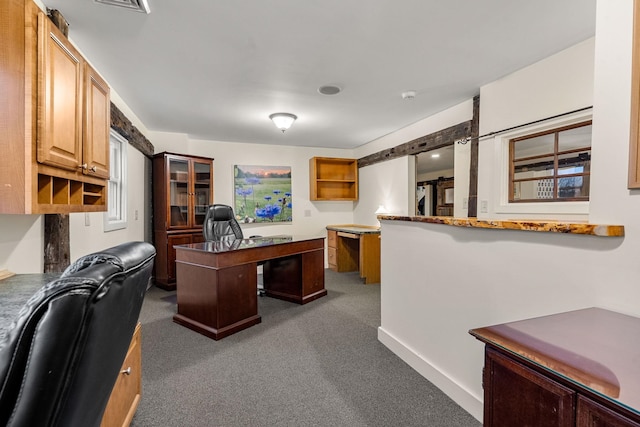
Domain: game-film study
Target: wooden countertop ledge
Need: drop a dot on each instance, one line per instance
(602, 230)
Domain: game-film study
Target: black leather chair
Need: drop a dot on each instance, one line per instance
(220, 224)
(63, 354)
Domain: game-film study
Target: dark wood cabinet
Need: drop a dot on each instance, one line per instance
(570, 369)
(518, 396)
(591, 414)
(182, 191)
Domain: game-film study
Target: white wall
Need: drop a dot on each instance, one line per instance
(309, 217)
(392, 183)
(22, 236)
(480, 277)
(91, 238)
(446, 173)
(461, 165)
(21, 243)
(451, 116)
(556, 85)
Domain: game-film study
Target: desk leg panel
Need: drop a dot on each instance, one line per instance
(370, 258)
(297, 278)
(347, 254)
(313, 276)
(216, 302)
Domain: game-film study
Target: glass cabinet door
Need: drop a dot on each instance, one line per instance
(178, 192)
(202, 190)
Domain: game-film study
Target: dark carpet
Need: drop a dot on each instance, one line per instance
(320, 364)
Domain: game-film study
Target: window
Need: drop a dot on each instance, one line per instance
(551, 166)
(116, 215)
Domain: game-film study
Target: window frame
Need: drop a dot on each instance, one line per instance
(118, 221)
(556, 175)
(500, 175)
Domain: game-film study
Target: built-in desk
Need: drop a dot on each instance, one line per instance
(579, 368)
(355, 247)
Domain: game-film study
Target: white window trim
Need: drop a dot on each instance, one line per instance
(121, 223)
(552, 210)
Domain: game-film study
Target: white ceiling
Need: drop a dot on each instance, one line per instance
(216, 69)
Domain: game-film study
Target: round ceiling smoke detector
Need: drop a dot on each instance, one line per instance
(410, 94)
(329, 90)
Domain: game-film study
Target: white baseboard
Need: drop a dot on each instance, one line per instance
(459, 394)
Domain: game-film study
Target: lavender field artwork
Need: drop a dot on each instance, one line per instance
(262, 193)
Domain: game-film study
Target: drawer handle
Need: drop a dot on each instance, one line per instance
(126, 371)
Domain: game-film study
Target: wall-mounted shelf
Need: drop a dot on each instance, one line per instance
(333, 178)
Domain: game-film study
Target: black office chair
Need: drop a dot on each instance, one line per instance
(63, 354)
(220, 224)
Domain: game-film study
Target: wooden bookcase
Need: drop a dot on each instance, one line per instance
(182, 192)
(333, 178)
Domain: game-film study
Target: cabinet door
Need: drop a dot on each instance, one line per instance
(178, 239)
(515, 395)
(97, 120)
(60, 72)
(202, 190)
(592, 414)
(179, 192)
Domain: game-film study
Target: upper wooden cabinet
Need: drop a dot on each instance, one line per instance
(333, 178)
(60, 88)
(55, 119)
(96, 121)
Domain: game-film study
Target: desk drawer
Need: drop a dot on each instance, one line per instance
(348, 235)
(126, 392)
(331, 238)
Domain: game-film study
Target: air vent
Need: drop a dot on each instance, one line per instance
(136, 5)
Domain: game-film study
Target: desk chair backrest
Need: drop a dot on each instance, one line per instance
(220, 224)
(63, 354)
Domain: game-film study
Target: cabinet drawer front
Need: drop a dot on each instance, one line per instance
(331, 239)
(127, 389)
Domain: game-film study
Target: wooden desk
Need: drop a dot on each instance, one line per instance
(579, 368)
(217, 281)
(355, 247)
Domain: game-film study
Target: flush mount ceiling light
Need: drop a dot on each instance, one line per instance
(283, 121)
(136, 5)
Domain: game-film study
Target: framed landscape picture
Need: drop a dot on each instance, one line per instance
(262, 194)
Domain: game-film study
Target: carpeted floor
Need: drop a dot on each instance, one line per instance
(320, 364)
